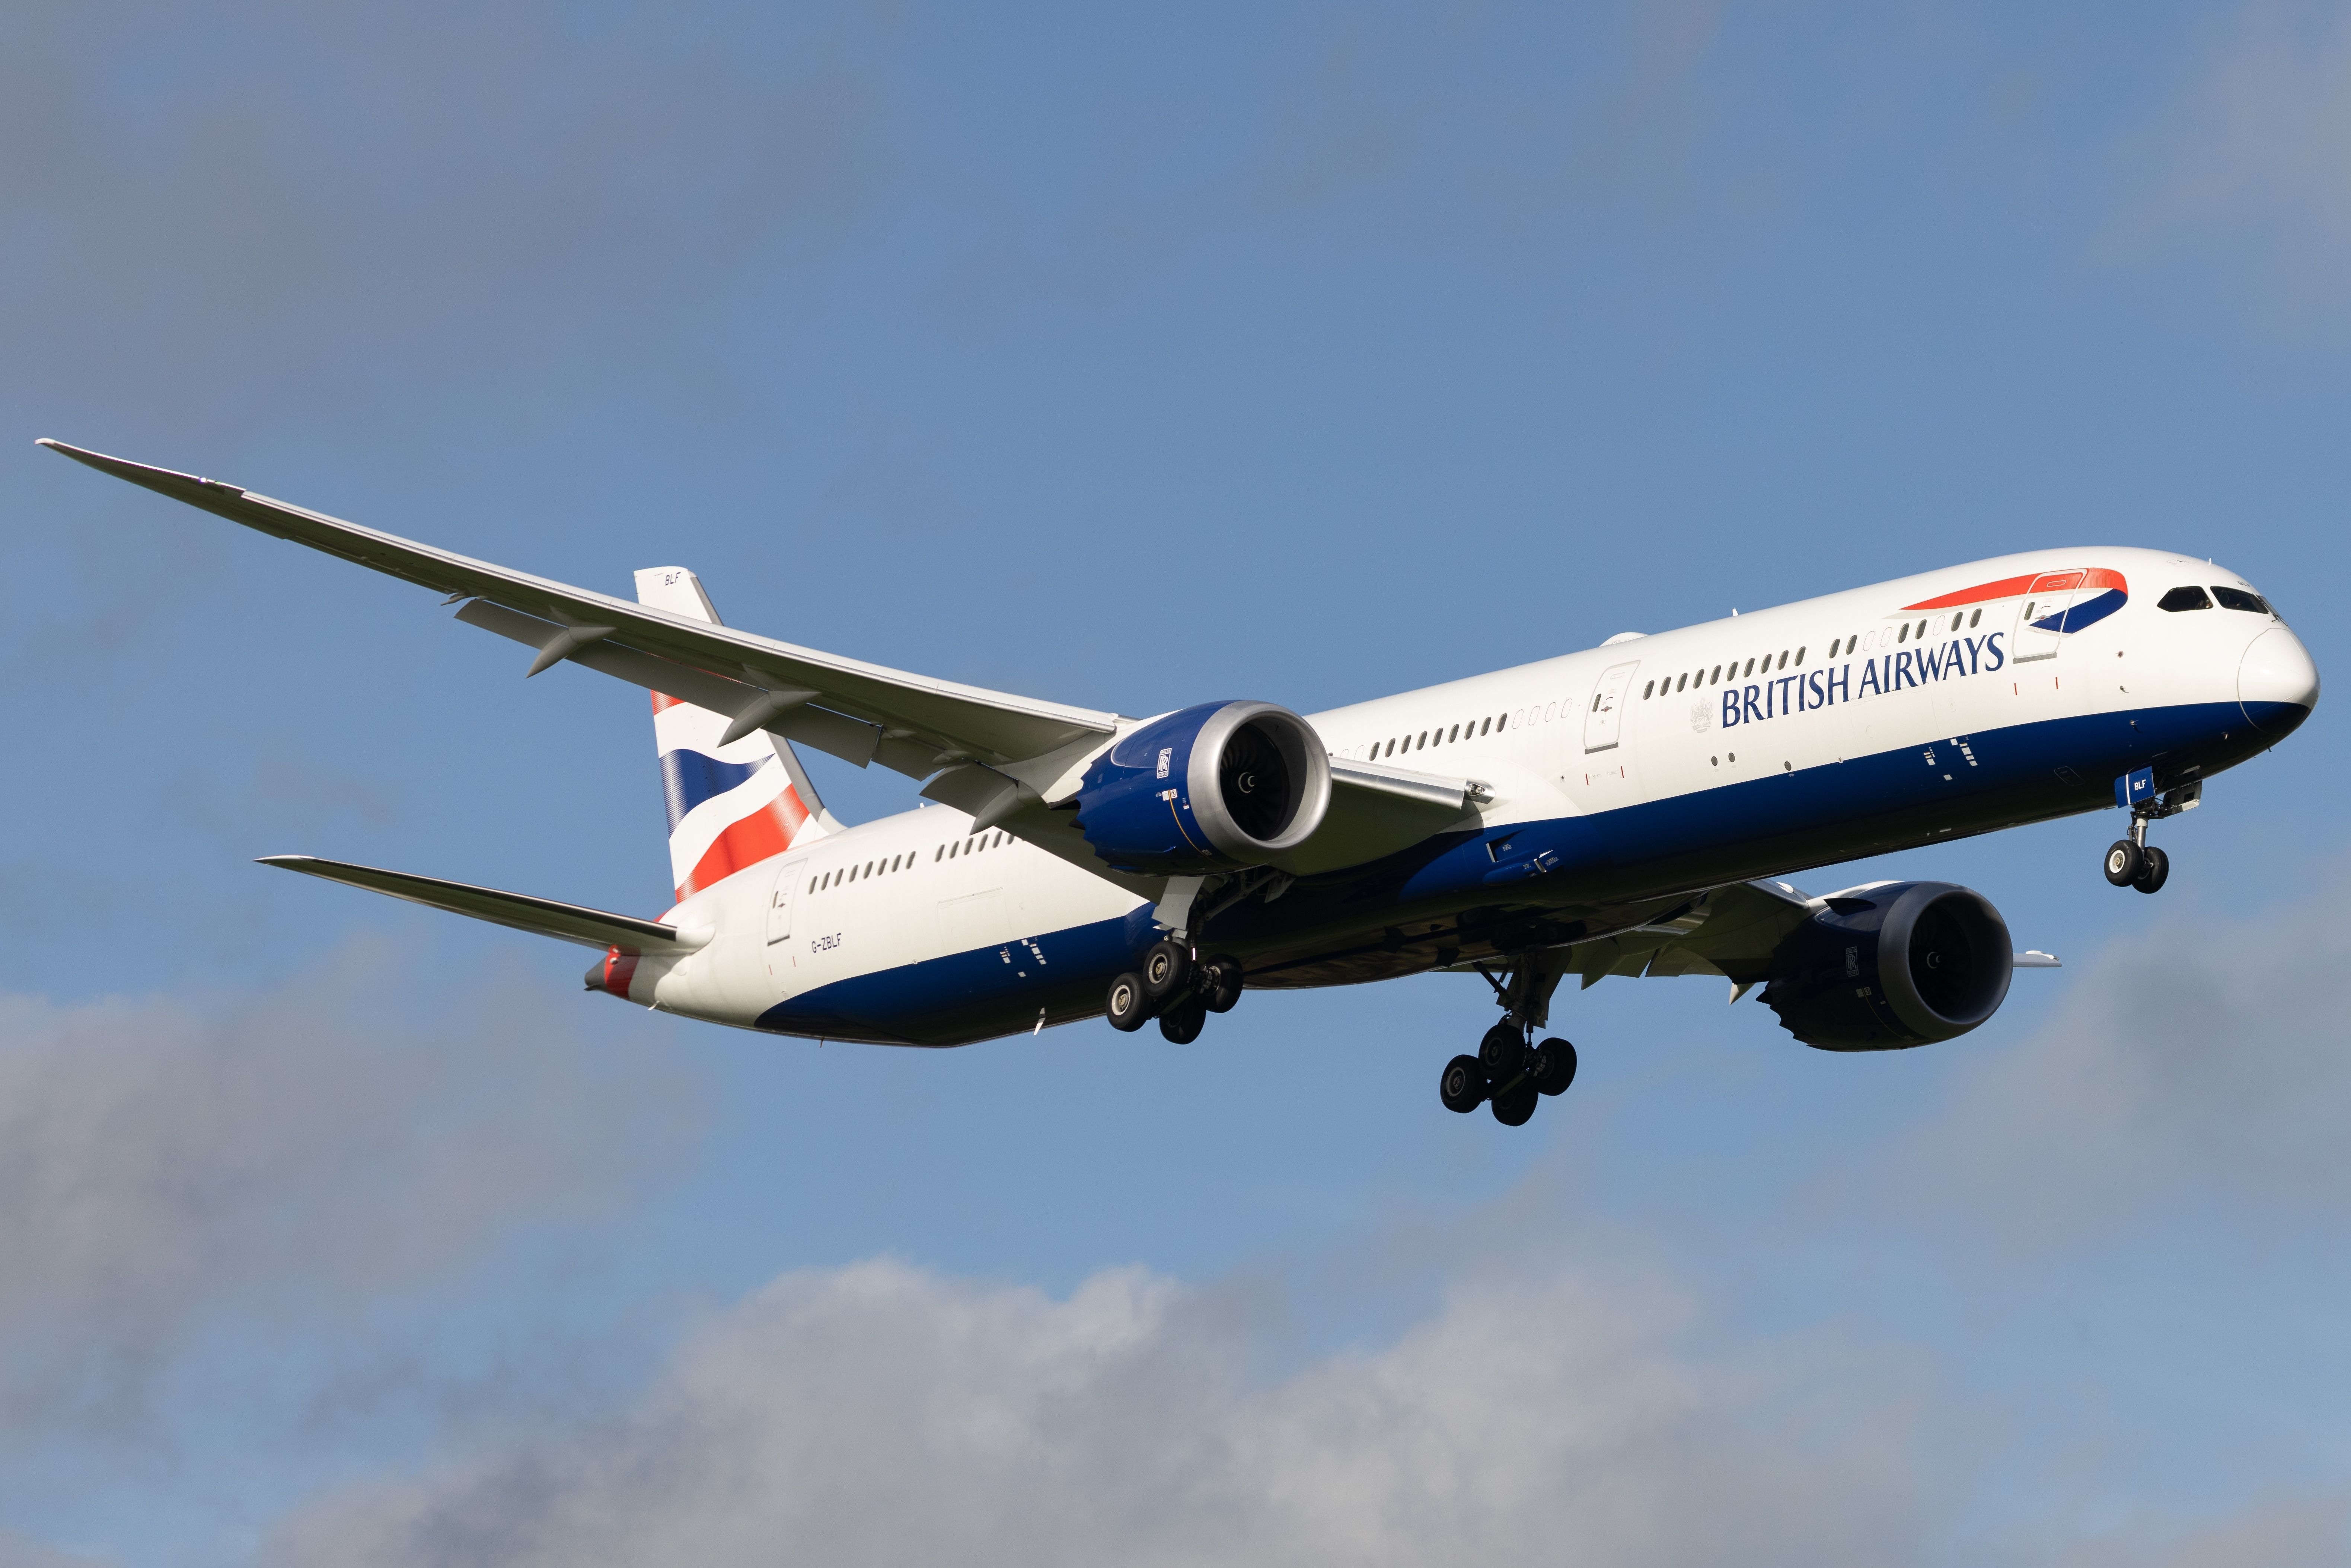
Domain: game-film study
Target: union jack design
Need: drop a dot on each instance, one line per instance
(730, 807)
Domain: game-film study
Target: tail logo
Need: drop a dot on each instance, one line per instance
(729, 806)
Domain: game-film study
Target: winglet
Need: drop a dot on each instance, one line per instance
(170, 481)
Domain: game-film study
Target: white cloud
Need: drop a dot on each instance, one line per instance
(163, 1163)
(1571, 1404)
(882, 1414)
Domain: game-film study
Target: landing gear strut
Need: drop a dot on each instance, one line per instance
(2135, 862)
(1508, 1072)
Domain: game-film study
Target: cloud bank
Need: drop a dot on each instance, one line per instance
(1571, 1400)
(883, 1414)
(302, 1151)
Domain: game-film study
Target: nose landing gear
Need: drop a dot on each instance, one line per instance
(1507, 1073)
(2132, 862)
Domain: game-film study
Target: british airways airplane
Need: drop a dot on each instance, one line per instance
(1623, 810)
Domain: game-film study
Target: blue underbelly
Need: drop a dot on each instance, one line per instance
(1774, 824)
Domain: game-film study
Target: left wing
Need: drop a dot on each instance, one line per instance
(864, 713)
(1729, 931)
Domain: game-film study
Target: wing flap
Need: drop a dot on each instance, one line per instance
(540, 916)
(918, 718)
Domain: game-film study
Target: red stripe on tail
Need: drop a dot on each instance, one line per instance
(765, 833)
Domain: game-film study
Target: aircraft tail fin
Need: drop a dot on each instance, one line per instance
(730, 805)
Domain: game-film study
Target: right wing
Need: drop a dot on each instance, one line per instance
(540, 916)
(864, 713)
(996, 755)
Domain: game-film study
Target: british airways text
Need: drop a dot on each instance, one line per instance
(1808, 689)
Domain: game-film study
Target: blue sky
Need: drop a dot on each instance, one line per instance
(1132, 360)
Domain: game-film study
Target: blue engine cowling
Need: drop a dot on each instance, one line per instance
(1212, 788)
(1904, 963)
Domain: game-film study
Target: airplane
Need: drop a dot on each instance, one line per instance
(1628, 810)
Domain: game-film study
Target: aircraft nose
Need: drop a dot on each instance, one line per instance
(2277, 684)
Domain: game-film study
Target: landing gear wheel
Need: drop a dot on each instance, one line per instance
(1166, 969)
(1220, 985)
(1128, 1007)
(1463, 1086)
(2155, 868)
(1552, 1066)
(2125, 861)
(1503, 1053)
(1513, 1106)
(1183, 1022)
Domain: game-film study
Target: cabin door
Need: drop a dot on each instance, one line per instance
(2041, 617)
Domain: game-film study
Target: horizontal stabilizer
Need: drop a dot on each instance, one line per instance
(541, 916)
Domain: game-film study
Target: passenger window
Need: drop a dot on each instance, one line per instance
(1954, 622)
(1455, 736)
(1784, 660)
(2237, 598)
(1976, 620)
(1799, 658)
(1485, 727)
(1903, 636)
(1648, 690)
(1422, 743)
(1682, 684)
(1750, 670)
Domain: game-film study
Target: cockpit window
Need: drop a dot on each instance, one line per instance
(2237, 598)
(2188, 598)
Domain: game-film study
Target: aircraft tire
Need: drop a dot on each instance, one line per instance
(1182, 1023)
(1513, 1107)
(1220, 984)
(2155, 872)
(1553, 1066)
(1166, 970)
(1503, 1053)
(1462, 1086)
(1126, 1006)
(2124, 861)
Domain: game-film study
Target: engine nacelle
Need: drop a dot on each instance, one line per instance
(1212, 788)
(1885, 967)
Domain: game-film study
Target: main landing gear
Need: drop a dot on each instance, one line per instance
(1508, 1072)
(2135, 862)
(1176, 986)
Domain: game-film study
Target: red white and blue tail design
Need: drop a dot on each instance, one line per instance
(730, 807)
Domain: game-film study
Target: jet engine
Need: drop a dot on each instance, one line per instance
(1903, 963)
(1212, 788)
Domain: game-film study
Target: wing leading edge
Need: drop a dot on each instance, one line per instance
(915, 725)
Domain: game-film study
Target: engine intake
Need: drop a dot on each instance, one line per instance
(1886, 967)
(1212, 788)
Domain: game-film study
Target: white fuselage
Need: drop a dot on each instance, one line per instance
(1639, 746)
